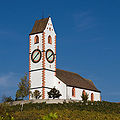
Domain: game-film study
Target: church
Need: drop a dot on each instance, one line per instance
(43, 74)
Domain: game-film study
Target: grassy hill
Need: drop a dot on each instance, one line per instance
(67, 111)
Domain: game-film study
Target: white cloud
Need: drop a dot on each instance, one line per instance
(3, 32)
(113, 93)
(8, 79)
(83, 20)
(8, 84)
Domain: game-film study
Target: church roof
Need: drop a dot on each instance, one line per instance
(75, 80)
(39, 26)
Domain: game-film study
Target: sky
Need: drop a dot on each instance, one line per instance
(88, 41)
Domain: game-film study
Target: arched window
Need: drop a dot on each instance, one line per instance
(49, 29)
(100, 98)
(49, 39)
(36, 39)
(84, 92)
(73, 92)
(92, 97)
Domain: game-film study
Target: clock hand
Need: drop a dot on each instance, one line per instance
(36, 56)
(50, 55)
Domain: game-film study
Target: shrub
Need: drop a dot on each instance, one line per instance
(7, 99)
(36, 94)
(6, 117)
(84, 97)
(54, 93)
(50, 116)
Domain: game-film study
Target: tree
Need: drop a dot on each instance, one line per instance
(7, 99)
(23, 86)
(84, 97)
(36, 94)
(54, 93)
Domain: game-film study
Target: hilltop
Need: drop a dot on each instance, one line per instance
(66, 111)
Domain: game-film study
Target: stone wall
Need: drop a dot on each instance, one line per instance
(47, 101)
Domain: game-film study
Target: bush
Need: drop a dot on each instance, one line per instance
(7, 99)
(54, 93)
(6, 117)
(84, 97)
(36, 94)
(50, 116)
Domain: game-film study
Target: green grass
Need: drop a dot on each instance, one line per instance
(66, 111)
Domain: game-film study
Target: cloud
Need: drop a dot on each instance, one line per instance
(6, 32)
(8, 84)
(8, 79)
(9, 34)
(3, 32)
(83, 20)
(113, 93)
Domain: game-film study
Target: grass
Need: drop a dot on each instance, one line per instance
(67, 111)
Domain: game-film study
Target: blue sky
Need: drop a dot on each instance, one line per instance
(88, 40)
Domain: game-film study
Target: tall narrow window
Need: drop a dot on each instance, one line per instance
(100, 98)
(84, 92)
(36, 39)
(73, 92)
(49, 39)
(92, 97)
(49, 29)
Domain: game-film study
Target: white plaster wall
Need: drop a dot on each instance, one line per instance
(39, 89)
(48, 65)
(49, 79)
(61, 87)
(78, 94)
(96, 95)
(49, 75)
(33, 47)
(36, 76)
(55, 82)
(46, 93)
(36, 79)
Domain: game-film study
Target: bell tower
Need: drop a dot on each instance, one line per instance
(42, 57)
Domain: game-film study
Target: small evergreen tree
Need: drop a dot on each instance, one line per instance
(54, 93)
(36, 94)
(23, 86)
(84, 97)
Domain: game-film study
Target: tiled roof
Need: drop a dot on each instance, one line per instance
(75, 80)
(39, 26)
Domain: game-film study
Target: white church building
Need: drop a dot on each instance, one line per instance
(43, 74)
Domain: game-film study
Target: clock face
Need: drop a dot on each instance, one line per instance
(50, 56)
(36, 56)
